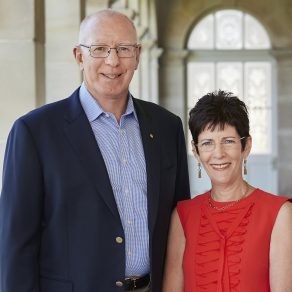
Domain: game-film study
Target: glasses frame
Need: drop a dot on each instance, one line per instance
(109, 49)
(214, 145)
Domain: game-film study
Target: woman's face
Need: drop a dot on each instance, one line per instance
(222, 161)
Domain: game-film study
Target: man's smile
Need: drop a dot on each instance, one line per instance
(111, 76)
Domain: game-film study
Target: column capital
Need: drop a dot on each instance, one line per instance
(282, 54)
(174, 55)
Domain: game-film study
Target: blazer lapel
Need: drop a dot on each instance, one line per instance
(80, 135)
(151, 146)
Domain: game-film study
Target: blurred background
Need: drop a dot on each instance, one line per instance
(190, 47)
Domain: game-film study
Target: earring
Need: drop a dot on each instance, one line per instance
(244, 167)
(199, 170)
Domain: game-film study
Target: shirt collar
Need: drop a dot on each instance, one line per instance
(92, 108)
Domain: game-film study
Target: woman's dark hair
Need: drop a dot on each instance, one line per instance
(219, 109)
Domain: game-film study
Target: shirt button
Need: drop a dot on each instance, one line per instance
(126, 190)
(129, 222)
(119, 284)
(119, 239)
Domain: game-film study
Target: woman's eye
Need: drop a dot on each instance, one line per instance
(207, 143)
(229, 141)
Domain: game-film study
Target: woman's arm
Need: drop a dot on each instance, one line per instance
(173, 274)
(281, 251)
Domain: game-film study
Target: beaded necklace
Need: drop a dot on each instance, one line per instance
(210, 199)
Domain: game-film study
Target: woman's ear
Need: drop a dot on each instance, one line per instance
(194, 150)
(247, 149)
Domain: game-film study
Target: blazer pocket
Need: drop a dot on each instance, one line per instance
(51, 285)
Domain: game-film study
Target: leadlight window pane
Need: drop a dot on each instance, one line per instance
(202, 36)
(255, 35)
(201, 80)
(229, 30)
(228, 33)
(251, 80)
(230, 77)
(258, 99)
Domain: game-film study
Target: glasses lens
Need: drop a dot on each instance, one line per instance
(125, 51)
(207, 146)
(99, 51)
(227, 143)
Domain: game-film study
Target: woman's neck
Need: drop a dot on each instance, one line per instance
(231, 193)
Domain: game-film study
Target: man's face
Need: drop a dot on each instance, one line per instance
(108, 77)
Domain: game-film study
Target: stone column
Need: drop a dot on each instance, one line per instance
(62, 26)
(154, 73)
(173, 82)
(284, 61)
(21, 57)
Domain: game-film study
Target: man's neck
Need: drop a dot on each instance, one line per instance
(115, 105)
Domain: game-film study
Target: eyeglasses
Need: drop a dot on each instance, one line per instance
(101, 51)
(209, 145)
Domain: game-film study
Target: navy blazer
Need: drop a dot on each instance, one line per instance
(58, 217)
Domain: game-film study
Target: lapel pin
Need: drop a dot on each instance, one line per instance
(151, 136)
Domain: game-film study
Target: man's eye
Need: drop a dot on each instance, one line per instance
(124, 49)
(100, 49)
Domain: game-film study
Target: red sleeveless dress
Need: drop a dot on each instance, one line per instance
(228, 250)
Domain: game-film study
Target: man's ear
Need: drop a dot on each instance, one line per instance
(78, 57)
(138, 53)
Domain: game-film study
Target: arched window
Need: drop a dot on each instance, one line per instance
(229, 50)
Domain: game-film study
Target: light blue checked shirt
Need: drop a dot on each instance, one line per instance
(122, 150)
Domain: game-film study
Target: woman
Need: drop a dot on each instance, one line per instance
(234, 237)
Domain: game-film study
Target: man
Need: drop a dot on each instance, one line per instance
(89, 182)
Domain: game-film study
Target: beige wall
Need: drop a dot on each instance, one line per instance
(62, 21)
(17, 58)
(18, 63)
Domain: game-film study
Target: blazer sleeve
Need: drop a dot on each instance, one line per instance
(182, 186)
(20, 213)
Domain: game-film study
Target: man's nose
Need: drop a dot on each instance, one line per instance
(112, 58)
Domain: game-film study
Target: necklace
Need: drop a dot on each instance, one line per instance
(210, 199)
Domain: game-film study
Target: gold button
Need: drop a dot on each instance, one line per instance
(119, 284)
(119, 239)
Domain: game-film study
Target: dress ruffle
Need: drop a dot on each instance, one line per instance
(220, 246)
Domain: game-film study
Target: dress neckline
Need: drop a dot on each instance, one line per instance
(234, 204)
